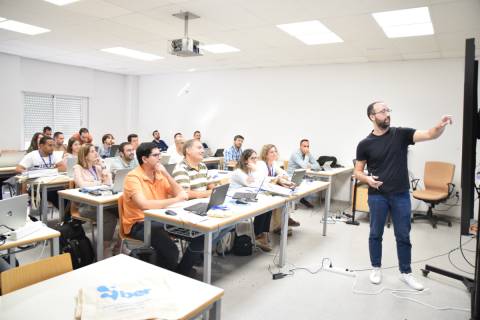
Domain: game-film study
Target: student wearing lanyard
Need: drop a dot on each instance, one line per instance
(248, 175)
(88, 173)
(269, 165)
(43, 158)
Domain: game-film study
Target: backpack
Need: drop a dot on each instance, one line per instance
(74, 241)
(242, 245)
(146, 254)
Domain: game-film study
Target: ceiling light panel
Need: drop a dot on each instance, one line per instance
(134, 54)
(405, 23)
(310, 32)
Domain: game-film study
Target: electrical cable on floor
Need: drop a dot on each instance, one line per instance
(461, 250)
(43, 249)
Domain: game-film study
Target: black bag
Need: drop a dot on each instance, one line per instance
(242, 245)
(74, 241)
(322, 159)
(146, 254)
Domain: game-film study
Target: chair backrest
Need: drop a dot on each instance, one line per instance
(32, 273)
(438, 175)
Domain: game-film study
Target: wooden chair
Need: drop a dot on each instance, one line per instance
(121, 233)
(32, 273)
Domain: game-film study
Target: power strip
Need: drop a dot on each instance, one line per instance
(344, 272)
(26, 230)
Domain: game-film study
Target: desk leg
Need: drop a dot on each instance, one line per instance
(99, 232)
(216, 310)
(327, 205)
(11, 256)
(283, 236)
(207, 258)
(61, 208)
(55, 247)
(147, 231)
(44, 205)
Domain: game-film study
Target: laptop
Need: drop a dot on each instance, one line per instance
(114, 150)
(248, 196)
(13, 213)
(327, 165)
(70, 163)
(218, 153)
(298, 176)
(170, 167)
(11, 158)
(119, 180)
(164, 159)
(216, 198)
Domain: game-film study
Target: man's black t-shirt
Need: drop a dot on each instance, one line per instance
(386, 157)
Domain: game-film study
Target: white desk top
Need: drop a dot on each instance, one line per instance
(329, 173)
(76, 195)
(42, 234)
(7, 170)
(55, 298)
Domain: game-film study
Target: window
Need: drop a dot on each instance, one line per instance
(62, 113)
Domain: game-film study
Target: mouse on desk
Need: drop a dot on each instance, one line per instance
(170, 213)
(241, 201)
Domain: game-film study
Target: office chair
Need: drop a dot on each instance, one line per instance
(437, 178)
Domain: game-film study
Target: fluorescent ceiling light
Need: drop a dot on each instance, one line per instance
(132, 53)
(61, 2)
(405, 23)
(21, 27)
(219, 48)
(310, 32)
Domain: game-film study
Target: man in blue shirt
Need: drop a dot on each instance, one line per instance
(232, 154)
(160, 144)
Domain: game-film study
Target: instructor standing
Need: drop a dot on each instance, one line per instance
(384, 151)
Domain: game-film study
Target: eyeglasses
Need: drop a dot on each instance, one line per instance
(156, 155)
(384, 111)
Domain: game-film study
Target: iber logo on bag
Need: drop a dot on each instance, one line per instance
(114, 294)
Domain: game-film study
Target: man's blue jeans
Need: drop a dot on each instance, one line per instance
(399, 205)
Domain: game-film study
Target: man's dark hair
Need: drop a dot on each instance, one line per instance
(45, 139)
(177, 134)
(154, 131)
(145, 150)
(46, 128)
(131, 136)
(196, 131)
(303, 140)
(56, 134)
(122, 146)
(370, 109)
(83, 130)
(238, 137)
(106, 136)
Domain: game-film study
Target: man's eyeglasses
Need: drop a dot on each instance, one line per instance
(384, 111)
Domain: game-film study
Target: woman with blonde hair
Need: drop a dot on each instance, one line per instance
(87, 173)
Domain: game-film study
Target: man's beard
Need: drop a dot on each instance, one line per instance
(385, 124)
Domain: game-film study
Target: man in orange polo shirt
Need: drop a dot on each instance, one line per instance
(149, 186)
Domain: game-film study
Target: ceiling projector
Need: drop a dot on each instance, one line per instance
(185, 47)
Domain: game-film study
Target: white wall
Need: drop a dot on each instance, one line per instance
(106, 92)
(326, 104)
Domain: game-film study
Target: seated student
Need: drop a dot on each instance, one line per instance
(47, 131)
(133, 139)
(302, 159)
(232, 154)
(59, 140)
(104, 150)
(88, 173)
(149, 186)
(43, 158)
(198, 136)
(191, 173)
(73, 147)
(247, 174)
(83, 136)
(271, 168)
(176, 151)
(125, 159)
(34, 142)
(158, 142)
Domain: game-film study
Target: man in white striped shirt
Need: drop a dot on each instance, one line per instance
(191, 173)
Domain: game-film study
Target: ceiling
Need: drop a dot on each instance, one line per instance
(81, 29)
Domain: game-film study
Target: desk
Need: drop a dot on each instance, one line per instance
(55, 298)
(209, 224)
(40, 235)
(214, 160)
(99, 202)
(328, 175)
(7, 171)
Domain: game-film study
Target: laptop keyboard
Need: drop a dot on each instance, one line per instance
(244, 195)
(198, 208)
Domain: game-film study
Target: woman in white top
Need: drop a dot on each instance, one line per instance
(248, 175)
(87, 173)
(269, 164)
